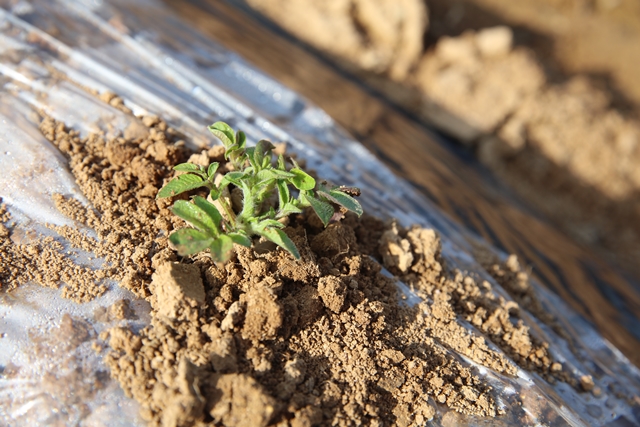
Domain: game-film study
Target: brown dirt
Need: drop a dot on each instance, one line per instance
(319, 341)
(43, 261)
(516, 281)
(127, 220)
(264, 339)
(456, 294)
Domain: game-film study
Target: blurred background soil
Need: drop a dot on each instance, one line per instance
(545, 93)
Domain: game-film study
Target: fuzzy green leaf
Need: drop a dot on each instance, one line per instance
(251, 156)
(283, 194)
(240, 239)
(224, 133)
(188, 167)
(248, 201)
(281, 239)
(263, 191)
(213, 168)
(323, 209)
(190, 241)
(211, 211)
(241, 140)
(271, 174)
(281, 164)
(342, 199)
(266, 162)
(347, 201)
(271, 213)
(263, 151)
(222, 137)
(287, 209)
(221, 248)
(180, 184)
(232, 178)
(195, 216)
(214, 194)
(302, 201)
(270, 223)
(302, 180)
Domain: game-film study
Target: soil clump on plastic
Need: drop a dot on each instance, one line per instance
(265, 339)
(124, 223)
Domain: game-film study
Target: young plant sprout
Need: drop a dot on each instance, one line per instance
(258, 178)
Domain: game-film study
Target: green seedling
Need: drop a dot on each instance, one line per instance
(216, 226)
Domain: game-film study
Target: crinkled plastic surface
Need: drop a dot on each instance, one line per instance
(158, 65)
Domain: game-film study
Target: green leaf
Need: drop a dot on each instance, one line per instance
(347, 201)
(302, 180)
(232, 178)
(282, 174)
(271, 174)
(251, 155)
(211, 171)
(281, 164)
(302, 201)
(323, 209)
(180, 184)
(240, 239)
(190, 241)
(214, 194)
(188, 167)
(231, 154)
(221, 248)
(241, 139)
(262, 191)
(248, 202)
(281, 239)
(236, 152)
(263, 151)
(195, 216)
(210, 210)
(270, 214)
(287, 209)
(342, 199)
(265, 223)
(284, 196)
(224, 133)
(266, 162)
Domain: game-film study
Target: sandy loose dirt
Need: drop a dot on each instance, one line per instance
(265, 339)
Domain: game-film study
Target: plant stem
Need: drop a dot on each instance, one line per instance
(228, 211)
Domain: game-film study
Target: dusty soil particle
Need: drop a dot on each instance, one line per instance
(515, 280)
(459, 295)
(115, 101)
(44, 261)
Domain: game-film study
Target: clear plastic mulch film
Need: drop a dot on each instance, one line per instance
(54, 53)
